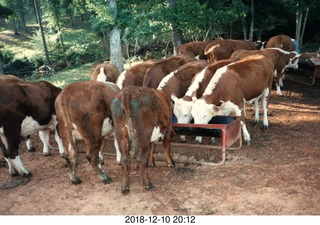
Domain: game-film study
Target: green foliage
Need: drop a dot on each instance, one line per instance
(5, 12)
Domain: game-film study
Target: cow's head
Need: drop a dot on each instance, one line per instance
(294, 59)
(182, 109)
(203, 112)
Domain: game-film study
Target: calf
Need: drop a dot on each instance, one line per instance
(222, 49)
(26, 107)
(281, 60)
(160, 69)
(281, 41)
(246, 80)
(194, 48)
(134, 75)
(83, 112)
(105, 72)
(141, 116)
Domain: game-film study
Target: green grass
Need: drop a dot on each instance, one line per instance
(63, 78)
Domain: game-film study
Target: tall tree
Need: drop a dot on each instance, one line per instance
(177, 34)
(36, 5)
(115, 41)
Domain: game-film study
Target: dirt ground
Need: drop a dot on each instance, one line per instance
(279, 174)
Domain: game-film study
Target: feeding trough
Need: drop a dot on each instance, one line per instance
(228, 128)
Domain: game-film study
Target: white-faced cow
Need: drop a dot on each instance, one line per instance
(194, 48)
(83, 112)
(134, 75)
(222, 49)
(232, 86)
(105, 72)
(162, 68)
(281, 60)
(141, 116)
(281, 41)
(183, 105)
(26, 108)
(178, 81)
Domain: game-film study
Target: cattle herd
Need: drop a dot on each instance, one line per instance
(135, 107)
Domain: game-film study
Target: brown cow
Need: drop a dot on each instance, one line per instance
(141, 116)
(43, 134)
(194, 48)
(281, 41)
(281, 60)
(26, 108)
(105, 72)
(249, 79)
(83, 112)
(134, 75)
(178, 81)
(162, 68)
(222, 49)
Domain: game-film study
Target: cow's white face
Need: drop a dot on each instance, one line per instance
(293, 63)
(202, 112)
(182, 109)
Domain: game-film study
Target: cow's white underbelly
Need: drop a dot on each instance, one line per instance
(156, 134)
(30, 126)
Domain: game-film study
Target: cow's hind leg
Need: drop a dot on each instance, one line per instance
(265, 109)
(142, 160)
(92, 155)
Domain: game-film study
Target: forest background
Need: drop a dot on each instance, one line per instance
(65, 34)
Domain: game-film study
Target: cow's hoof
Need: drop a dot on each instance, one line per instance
(247, 142)
(62, 155)
(255, 123)
(107, 180)
(76, 181)
(148, 187)
(125, 190)
(118, 163)
(46, 154)
(32, 149)
(171, 165)
(213, 142)
(265, 128)
(27, 174)
(198, 142)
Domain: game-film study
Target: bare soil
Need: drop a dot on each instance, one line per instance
(278, 174)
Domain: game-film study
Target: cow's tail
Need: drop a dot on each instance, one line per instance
(127, 102)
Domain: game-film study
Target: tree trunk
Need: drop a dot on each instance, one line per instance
(298, 23)
(177, 34)
(42, 33)
(1, 67)
(304, 26)
(115, 41)
(251, 21)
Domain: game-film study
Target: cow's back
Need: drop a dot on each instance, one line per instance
(160, 69)
(134, 75)
(281, 41)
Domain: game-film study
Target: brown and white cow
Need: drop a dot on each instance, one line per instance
(222, 49)
(183, 105)
(194, 48)
(177, 82)
(83, 112)
(232, 86)
(281, 59)
(43, 134)
(134, 75)
(162, 68)
(141, 116)
(26, 108)
(281, 41)
(105, 72)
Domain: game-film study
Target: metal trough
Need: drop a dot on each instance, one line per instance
(226, 127)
